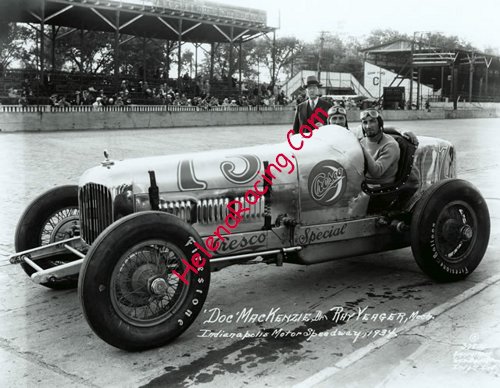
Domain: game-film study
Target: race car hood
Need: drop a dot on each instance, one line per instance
(217, 169)
(220, 169)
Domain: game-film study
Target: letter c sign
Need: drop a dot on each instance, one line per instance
(376, 80)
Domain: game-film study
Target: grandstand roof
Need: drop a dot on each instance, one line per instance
(198, 21)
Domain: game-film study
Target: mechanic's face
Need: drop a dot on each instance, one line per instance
(337, 120)
(370, 126)
(312, 91)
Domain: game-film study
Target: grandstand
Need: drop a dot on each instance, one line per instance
(172, 21)
(452, 73)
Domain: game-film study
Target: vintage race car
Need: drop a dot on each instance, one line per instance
(140, 237)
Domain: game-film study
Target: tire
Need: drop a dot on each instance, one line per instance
(51, 217)
(450, 230)
(117, 277)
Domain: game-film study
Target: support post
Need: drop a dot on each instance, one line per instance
(321, 41)
(42, 42)
(196, 61)
(144, 62)
(53, 47)
(230, 67)
(212, 55)
(239, 67)
(471, 75)
(486, 81)
(179, 54)
(442, 81)
(116, 59)
(167, 67)
(273, 78)
(418, 88)
(454, 82)
(411, 71)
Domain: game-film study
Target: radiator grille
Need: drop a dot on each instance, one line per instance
(185, 210)
(96, 210)
(215, 210)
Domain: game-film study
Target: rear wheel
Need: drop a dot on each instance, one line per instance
(129, 294)
(450, 230)
(51, 217)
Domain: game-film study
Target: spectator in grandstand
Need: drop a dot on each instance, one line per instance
(53, 100)
(26, 87)
(243, 101)
(225, 102)
(203, 103)
(272, 100)
(306, 108)
(12, 93)
(63, 103)
(177, 99)
(281, 98)
(214, 101)
(124, 85)
(23, 100)
(77, 100)
(86, 98)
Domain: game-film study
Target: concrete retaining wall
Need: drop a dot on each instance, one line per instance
(61, 121)
(57, 121)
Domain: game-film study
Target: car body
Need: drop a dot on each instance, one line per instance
(197, 187)
(305, 204)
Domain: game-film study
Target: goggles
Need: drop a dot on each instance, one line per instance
(335, 110)
(371, 112)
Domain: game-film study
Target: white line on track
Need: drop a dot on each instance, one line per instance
(365, 350)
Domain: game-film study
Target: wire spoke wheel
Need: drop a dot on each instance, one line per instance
(144, 292)
(63, 224)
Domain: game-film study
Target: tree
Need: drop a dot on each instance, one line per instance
(439, 40)
(146, 57)
(284, 49)
(17, 43)
(333, 53)
(88, 51)
(187, 60)
(221, 60)
(380, 36)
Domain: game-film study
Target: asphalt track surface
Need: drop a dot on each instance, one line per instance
(45, 341)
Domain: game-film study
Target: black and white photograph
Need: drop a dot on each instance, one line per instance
(249, 193)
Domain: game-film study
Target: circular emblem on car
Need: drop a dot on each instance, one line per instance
(327, 182)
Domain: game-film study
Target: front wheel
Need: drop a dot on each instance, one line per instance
(129, 295)
(51, 217)
(450, 230)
